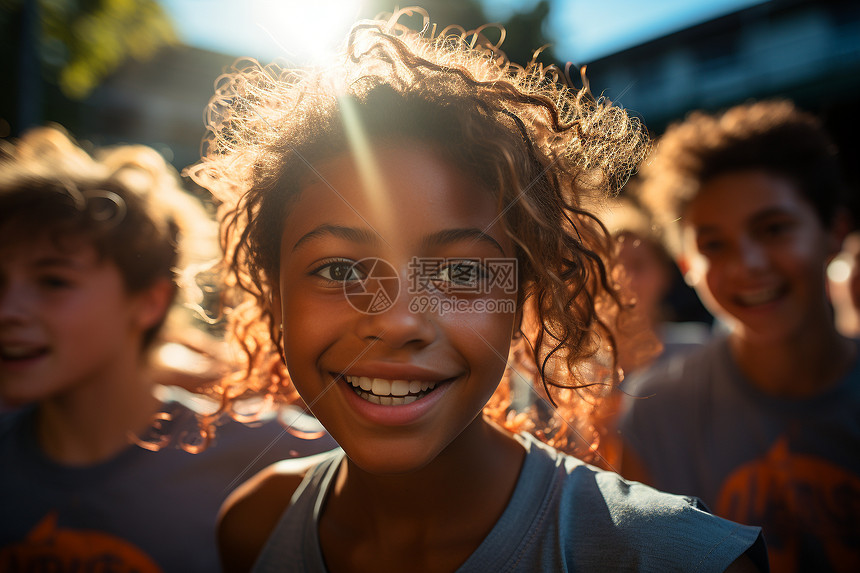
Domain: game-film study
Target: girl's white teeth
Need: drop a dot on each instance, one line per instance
(382, 388)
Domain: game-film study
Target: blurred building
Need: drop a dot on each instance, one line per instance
(805, 50)
(159, 103)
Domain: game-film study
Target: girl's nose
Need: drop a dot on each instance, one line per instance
(401, 324)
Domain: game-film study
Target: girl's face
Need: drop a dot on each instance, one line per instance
(760, 253)
(66, 321)
(397, 290)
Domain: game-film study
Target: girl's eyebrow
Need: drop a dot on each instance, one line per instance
(349, 233)
(366, 236)
(449, 236)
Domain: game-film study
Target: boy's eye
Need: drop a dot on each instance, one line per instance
(339, 271)
(710, 247)
(775, 229)
(464, 273)
(54, 282)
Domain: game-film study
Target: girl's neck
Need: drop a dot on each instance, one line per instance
(452, 503)
(796, 367)
(93, 421)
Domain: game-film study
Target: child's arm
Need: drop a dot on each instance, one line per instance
(250, 513)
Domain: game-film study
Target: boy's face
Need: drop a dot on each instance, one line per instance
(66, 321)
(392, 377)
(757, 252)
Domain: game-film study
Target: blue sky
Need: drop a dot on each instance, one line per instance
(582, 30)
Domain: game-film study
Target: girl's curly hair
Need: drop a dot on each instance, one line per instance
(548, 150)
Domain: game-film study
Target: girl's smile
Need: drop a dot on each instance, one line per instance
(394, 388)
(381, 406)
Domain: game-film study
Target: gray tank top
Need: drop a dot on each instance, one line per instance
(564, 515)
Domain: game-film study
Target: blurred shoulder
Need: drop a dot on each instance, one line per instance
(682, 369)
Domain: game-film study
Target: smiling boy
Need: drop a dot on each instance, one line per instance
(762, 424)
(88, 251)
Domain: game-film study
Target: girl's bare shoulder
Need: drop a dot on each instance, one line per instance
(252, 510)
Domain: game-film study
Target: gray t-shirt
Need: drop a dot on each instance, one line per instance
(790, 465)
(144, 511)
(564, 515)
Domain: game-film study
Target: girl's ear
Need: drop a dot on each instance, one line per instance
(518, 321)
(277, 332)
(154, 302)
(275, 307)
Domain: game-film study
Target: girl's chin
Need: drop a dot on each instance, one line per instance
(391, 457)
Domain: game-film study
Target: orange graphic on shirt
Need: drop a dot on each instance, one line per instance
(48, 548)
(809, 509)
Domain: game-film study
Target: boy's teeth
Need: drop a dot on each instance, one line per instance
(759, 297)
(381, 387)
(16, 352)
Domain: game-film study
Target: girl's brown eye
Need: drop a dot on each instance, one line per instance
(339, 271)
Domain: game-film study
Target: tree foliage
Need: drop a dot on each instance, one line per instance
(79, 42)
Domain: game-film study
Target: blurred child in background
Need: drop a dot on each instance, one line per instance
(761, 423)
(660, 299)
(655, 283)
(88, 253)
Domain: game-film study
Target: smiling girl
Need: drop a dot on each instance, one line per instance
(405, 230)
